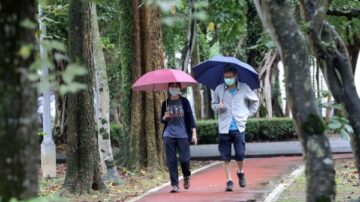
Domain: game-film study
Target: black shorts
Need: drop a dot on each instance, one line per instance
(235, 138)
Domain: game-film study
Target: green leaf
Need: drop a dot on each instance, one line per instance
(349, 129)
(25, 51)
(53, 44)
(71, 88)
(270, 44)
(334, 125)
(28, 24)
(71, 71)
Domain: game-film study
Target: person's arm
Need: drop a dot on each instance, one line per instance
(163, 113)
(191, 121)
(253, 101)
(194, 136)
(216, 104)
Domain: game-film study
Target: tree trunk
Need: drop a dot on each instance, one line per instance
(191, 37)
(275, 90)
(196, 88)
(353, 46)
(83, 163)
(103, 102)
(125, 42)
(59, 132)
(18, 100)
(336, 65)
(265, 81)
(280, 21)
(145, 142)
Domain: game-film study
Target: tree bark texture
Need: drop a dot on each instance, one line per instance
(19, 148)
(265, 75)
(195, 59)
(126, 17)
(336, 66)
(146, 148)
(103, 102)
(83, 164)
(280, 21)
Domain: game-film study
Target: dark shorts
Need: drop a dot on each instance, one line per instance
(235, 138)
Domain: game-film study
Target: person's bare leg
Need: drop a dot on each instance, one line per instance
(227, 166)
(240, 165)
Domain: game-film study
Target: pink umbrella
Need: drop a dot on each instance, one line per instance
(159, 80)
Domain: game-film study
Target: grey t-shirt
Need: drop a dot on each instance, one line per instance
(175, 124)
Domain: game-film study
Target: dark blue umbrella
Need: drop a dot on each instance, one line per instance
(211, 72)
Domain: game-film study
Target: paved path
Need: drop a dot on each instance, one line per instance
(209, 185)
(266, 149)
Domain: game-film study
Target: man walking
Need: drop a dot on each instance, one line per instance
(234, 102)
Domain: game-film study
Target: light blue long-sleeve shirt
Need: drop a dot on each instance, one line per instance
(240, 106)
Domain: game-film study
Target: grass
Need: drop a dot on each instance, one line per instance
(347, 184)
(131, 185)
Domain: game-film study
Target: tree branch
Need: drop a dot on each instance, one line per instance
(349, 13)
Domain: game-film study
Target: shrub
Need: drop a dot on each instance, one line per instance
(257, 129)
(116, 134)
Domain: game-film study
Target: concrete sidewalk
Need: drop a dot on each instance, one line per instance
(267, 149)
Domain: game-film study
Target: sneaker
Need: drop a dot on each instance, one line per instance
(242, 181)
(229, 186)
(186, 182)
(175, 189)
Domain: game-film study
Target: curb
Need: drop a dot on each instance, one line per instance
(155, 189)
(275, 193)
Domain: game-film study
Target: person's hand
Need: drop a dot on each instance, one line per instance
(221, 105)
(166, 116)
(194, 137)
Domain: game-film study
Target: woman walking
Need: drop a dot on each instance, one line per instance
(179, 132)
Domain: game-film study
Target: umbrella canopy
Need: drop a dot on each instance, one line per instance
(159, 80)
(211, 72)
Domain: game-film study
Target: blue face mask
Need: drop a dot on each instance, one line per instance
(229, 81)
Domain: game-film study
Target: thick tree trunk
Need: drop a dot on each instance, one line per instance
(83, 163)
(146, 148)
(18, 100)
(196, 88)
(103, 102)
(278, 17)
(336, 65)
(125, 42)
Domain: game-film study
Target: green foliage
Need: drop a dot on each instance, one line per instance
(230, 23)
(261, 129)
(117, 135)
(346, 27)
(338, 123)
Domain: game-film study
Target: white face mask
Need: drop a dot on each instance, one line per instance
(174, 91)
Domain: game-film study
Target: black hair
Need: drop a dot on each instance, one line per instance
(177, 83)
(229, 68)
